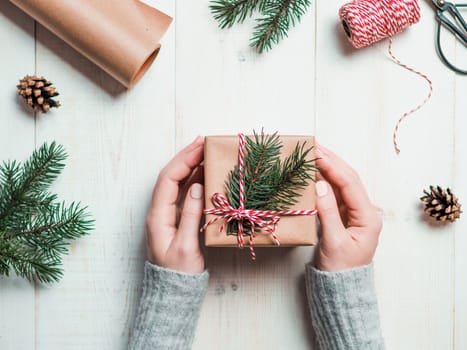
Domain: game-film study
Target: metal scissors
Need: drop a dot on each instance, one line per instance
(454, 23)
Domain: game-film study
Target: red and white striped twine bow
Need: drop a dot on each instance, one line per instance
(368, 21)
(266, 220)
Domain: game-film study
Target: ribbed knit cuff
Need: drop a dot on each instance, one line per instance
(344, 309)
(169, 308)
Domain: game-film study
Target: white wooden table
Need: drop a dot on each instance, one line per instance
(208, 81)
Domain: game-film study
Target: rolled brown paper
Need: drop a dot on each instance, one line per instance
(220, 157)
(120, 36)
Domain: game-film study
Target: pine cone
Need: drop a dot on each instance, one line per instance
(38, 93)
(441, 204)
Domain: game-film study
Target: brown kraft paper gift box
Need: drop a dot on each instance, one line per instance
(220, 157)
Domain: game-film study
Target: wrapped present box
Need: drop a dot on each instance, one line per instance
(221, 155)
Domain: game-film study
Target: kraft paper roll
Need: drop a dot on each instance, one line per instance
(120, 36)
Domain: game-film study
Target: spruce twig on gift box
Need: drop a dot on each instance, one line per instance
(270, 183)
(277, 17)
(35, 230)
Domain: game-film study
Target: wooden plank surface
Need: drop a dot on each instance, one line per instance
(117, 140)
(460, 187)
(17, 297)
(224, 87)
(208, 81)
(415, 260)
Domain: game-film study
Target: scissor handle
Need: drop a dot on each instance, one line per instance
(460, 33)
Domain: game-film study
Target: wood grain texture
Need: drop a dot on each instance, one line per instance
(208, 81)
(118, 141)
(414, 261)
(224, 87)
(17, 306)
(460, 188)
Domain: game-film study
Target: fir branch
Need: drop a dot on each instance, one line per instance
(29, 208)
(262, 152)
(229, 12)
(42, 168)
(31, 265)
(21, 184)
(9, 174)
(278, 17)
(296, 172)
(59, 221)
(270, 183)
(35, 230)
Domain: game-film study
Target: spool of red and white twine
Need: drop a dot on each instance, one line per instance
(368, 21)
(266, 220)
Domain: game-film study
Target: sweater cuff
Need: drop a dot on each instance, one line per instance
(178, 292)
(169, 308)
(186, 284)
(344, 308)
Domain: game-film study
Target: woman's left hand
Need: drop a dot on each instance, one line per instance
(173, 243)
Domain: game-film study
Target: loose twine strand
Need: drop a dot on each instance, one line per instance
(266, 220)
(420, 105)
(368, 21)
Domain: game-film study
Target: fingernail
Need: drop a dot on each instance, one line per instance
(322, 188)
(196, 191)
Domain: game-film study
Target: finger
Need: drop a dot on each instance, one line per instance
(343, 177)
(340, 204)
(188, 229)
(328, 210)
(197, 176)
(164, 201)
(337, 194)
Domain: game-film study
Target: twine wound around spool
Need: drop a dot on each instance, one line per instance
(368, 21)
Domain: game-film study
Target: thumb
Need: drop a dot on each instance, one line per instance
(192, 211)
(328, 211)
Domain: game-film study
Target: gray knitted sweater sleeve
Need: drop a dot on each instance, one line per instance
(169, 309)
(344, 309)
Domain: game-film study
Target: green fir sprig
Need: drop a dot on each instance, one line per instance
(35, 229)
(270, 183)
(276, 18)
(229, 12)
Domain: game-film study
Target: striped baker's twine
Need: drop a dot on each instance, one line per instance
(420, 105)
(368, 21)
(266, 220)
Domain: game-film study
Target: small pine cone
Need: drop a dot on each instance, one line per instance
(38, 93)
(441, 204)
